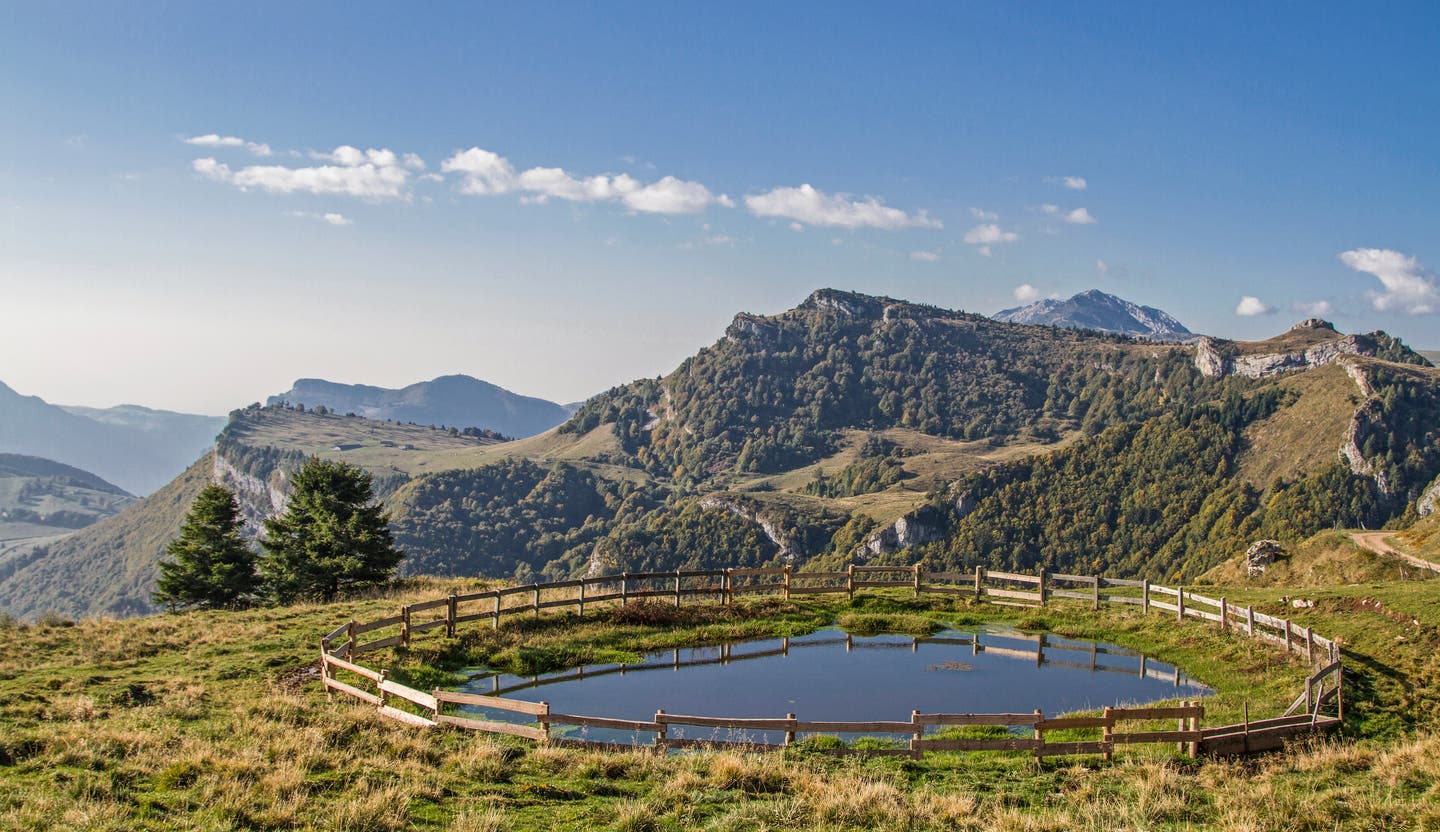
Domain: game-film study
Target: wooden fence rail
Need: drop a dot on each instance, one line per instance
(1319, 706)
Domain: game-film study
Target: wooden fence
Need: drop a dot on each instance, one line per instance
(1319, 706)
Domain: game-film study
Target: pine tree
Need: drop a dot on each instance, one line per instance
(330, 538)
(211, 564)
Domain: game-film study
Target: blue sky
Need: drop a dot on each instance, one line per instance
(202, 203)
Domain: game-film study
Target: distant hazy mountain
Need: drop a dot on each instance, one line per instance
(188, 427)
(1096, 310)
(135, 448)
(453, 401)
(1433, 355)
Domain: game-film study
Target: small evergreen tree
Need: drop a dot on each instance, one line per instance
(211, 564)
(330, 537)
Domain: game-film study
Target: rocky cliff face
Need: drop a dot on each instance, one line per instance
(1213, 360)
(258, 497)
(1429, 502)
(923, 525)
(755, 514)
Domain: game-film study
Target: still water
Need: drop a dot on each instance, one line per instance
(830, 676)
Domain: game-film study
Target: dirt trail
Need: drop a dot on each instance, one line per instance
(1376, 542)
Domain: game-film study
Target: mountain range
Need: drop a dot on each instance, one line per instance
(454, 401)
(858, 429)
(136, 448)
(1097, 310)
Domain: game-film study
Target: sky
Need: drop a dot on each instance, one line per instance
(202, 203)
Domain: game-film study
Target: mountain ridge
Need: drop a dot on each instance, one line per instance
(455, 400)
(1097, 310)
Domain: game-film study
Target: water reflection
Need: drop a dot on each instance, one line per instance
(830, 675)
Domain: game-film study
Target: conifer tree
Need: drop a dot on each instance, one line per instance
(331, 537)
(211, 565)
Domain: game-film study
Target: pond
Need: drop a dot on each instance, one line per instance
(831, 676)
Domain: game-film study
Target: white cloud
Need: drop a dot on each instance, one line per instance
(989, 234)
(1074, 183)
(1250, 306)
(1025, 293)
(814, 207)
(217, 140)
(797, 227)
(331, 217)
(1407, 287)
(484, 172)
(1048, 208)
(371, 175)
(925, 256)
(984, 251)
(1080, 216)
(1314, 309)
(983, 215)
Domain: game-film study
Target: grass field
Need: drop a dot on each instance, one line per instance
(215, 721)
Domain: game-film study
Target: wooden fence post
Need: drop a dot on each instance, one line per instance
(727, 585)
(582, 598)
(350, 642)
(1180, 603)
(325, 670)
(979, 580)
(677, 588)
(380, 687)
(790, 729)
(1250, 621)
(1039, 737)
(450, 616)
(1309, 645)
(495, 613)
(917, 580)
(1145, 595)
(850, 581)
(916, 751)
(439, 705)
(405, 626)
(786, 577)
(1043, 593)
(660, 734)
(535, 599)
(624, 588)
(1286, 622)
(545, 719)
(1181, 722)
(1095, 599)
(1224, 615)
(1195, 726)
(1105, 734)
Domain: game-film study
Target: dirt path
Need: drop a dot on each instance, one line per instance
(1375, 542)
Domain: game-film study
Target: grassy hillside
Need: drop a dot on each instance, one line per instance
(1422, 539)
(214, 720)
(1327, 559)
(108, 568)
(42, 501)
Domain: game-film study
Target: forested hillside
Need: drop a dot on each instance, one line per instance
(864, 429)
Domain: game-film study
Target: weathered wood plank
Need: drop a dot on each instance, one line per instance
(379, 644)
(379, 624)
(372, 675)
(1057, 749)
(975, 719)
(421, 698)
(517, 705)
(1132, 738)
(364, 696)
(405, 717)
(1011, 593)
(492, 727)
(881, 727)
(438, 603)
(726, 722)
(1012, 744)
(1012, 576)
(1063, 722)
(602, 722)
(1159, 712)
